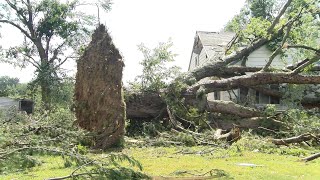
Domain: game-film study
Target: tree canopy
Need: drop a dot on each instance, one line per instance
(54, 33)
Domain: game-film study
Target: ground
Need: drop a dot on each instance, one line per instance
(236, 162)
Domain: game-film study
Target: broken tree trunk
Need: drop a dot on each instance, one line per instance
(100, 106)
(232, 136)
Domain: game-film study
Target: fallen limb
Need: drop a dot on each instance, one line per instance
(255, 79)
(230, 107)
(296, 139)
(231, 136)
(72, 176)
(312, 157)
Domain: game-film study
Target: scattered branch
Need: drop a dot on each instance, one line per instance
(296, 139)
(312, 157)
(304, 47)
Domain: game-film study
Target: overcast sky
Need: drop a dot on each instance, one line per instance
(150, 22)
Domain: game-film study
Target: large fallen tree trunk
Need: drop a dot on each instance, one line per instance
(144, 105)
(255, 79)
(229, 107)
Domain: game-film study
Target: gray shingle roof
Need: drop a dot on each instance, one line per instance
(214, 42)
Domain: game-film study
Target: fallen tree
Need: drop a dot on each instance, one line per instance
(282, 32)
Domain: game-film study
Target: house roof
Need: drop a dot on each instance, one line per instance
(214, 42)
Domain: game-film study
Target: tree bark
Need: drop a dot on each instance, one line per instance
(259, 78)
(312, 157)
(229, 107)
(296, 139)
(144, 105)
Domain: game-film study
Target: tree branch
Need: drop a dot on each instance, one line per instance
(62, 62)
(255, 79)
(276, 20)
(56, 52)
(304, 47)
(18, 27)
(279, 49)
(306, 63)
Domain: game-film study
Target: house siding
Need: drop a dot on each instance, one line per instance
(193, 61)
(202, 57)
(208, 45)
(260, 57)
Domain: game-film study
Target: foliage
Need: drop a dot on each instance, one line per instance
(263, 10)
(293, 94)
(51, 28)
(6, 83)
(155, 73)
(24, 138)
(256, 16)
(186, 139)
(251, 142)
(302, 121)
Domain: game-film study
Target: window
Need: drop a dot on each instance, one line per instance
(274, 100)
(265, 99)
(217, 95)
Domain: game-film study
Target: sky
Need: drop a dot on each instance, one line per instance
(145, 21)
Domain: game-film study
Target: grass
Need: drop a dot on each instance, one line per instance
(165, 162)
(191, 161)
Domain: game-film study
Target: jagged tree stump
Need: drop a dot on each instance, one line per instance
(100, 106)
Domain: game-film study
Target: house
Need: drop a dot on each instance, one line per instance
(208, 46)
(20, 104)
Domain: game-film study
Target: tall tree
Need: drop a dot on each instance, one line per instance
(51, 29)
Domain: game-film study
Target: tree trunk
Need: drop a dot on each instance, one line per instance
(255, 79)
(100, 106)
(144, 105)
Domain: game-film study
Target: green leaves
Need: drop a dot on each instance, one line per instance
(156, 72)
(54, 19)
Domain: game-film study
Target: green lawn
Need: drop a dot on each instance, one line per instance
(179, 161)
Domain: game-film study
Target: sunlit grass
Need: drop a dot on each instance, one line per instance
(164, 162)
(179, 161)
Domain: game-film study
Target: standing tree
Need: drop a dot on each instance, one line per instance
(54, 32)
